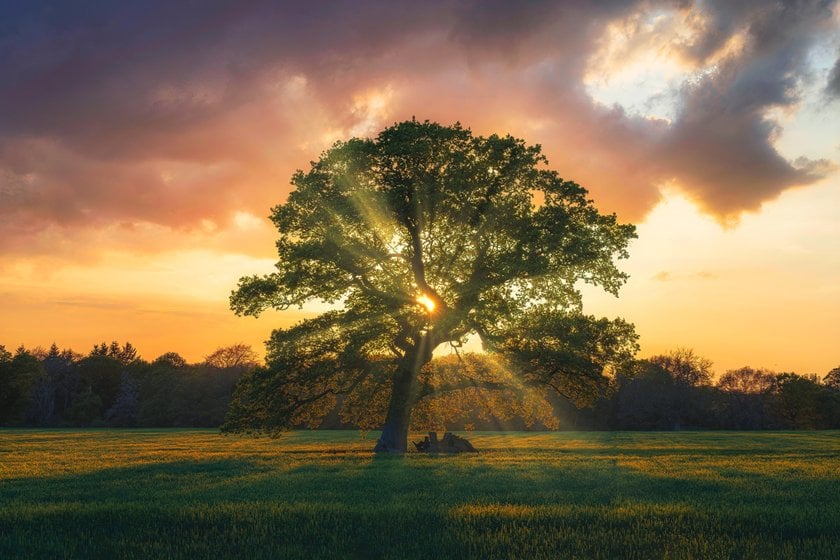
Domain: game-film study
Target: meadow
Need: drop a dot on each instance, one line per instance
(199, 494)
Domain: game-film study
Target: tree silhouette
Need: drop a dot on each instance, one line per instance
(170, 359)
(832, 379)
(124, 354)
(19, 375)
(423, 236)
(124, 410)
(234, 356)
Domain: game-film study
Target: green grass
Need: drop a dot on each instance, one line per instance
(197, 494)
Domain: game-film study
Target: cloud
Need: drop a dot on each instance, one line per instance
(662, 276)
(173, 115)
(667, 276)
(721, 145)
(833, 85)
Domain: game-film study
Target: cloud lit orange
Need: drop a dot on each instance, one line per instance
(142, 145)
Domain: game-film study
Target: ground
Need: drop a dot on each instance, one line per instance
(198, 494)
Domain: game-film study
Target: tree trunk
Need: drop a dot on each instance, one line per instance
(394, 437)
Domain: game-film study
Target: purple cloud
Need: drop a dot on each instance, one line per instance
(178, 113)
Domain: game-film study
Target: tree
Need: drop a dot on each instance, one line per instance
(62, 375)
(124, 410)
(99, 376)
(743, 397)
(685, 366)
(645, 398)
(234, 356)
(797, 402)
(18, 376)
(746, 380)
(85, 408)
(425, 235)
(171, 360)
(124, 354)
(832, 379)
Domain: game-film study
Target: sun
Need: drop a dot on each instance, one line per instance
(426, 302)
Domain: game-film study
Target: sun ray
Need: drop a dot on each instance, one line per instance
(426, 302)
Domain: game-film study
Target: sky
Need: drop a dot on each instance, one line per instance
(142, 145)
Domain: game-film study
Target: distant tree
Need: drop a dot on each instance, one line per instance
(831, 398)
(664, 392)
(744, 394)
(40, 410)
(85, 409)
(746, 380)
(796, 402)
(19, 374)
(425, 235)
(102, 375)
(645, 398)
(832, 379)
(125, 409)
(124, 354)
(234, 356)
(202, 395)
(685, 366)
(156, 385)
(62, 376)
(170, 359)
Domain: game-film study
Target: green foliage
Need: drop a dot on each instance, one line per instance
(685, 367)
(476, 225)
(124, 411)
(19, 375)
(104, 494)
(798, 402)
(568, 352)
(743, 400)
(102, 376)
(746, 380)
(171, 360)
(832, 379)
(85, 408)
(62, 388)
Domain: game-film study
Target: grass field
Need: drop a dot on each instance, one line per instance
(197, 494)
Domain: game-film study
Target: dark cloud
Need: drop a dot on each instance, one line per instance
(721, 145)
(174, 113)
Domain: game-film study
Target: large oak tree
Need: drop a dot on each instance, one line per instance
(422, 237)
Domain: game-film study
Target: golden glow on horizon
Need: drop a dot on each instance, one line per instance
(759, 294)
(762, 292)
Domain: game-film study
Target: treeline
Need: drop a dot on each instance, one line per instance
(676, 391)
(113, 386)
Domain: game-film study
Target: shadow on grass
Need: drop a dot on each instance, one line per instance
(413, 507)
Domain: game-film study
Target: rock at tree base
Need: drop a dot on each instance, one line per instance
(449, 444)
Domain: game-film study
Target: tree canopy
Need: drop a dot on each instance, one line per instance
(421, 237)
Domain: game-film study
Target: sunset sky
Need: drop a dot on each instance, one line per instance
(142, 145)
